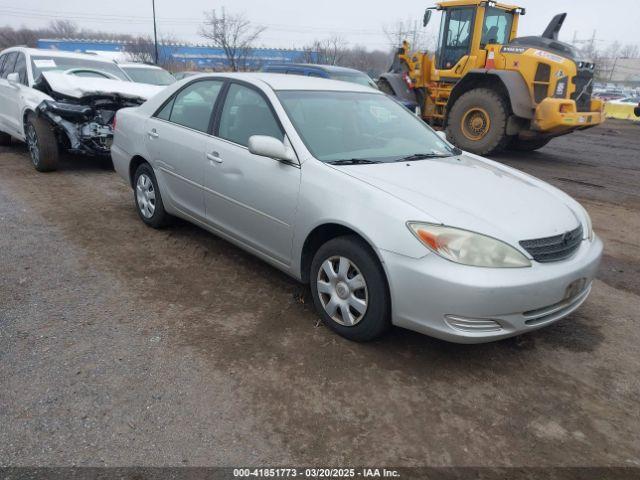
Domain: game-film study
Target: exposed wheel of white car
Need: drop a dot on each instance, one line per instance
(148, 198)
(42, 144)
(349, 289)
(5, 139)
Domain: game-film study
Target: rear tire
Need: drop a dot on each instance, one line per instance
(349, 289)
(5, 139)
(147, 197)
(477, 122)
(42, 144)
(521, 145)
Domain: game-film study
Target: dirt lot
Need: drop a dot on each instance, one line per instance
(122, 345)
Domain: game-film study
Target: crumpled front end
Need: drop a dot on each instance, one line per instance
(83, 124)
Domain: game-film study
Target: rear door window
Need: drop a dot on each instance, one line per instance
(192, 106)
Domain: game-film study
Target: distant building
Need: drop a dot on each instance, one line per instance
(202, 57)
(622, 71)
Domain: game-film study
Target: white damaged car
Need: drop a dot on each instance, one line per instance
(57, 101)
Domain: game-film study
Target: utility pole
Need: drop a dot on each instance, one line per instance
(155, 30)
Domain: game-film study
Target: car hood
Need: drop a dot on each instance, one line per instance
(79, 87)
(469, 192)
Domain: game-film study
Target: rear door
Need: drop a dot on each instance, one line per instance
(176, 138)
(250, 197)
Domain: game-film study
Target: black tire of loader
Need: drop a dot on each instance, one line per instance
(496, 139)
(521, 145)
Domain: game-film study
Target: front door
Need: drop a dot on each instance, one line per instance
(9, 97)
(250, 197)
(177, 139)
(456, 34)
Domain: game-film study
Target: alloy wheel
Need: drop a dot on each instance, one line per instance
(32, 144)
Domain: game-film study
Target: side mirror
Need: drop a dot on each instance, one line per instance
(637, 111)
(13, 78)
(270, 147)
(426, 18)
(443, 135)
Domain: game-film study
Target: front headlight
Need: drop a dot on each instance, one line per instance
(468, 248)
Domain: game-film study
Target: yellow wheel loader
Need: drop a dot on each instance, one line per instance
(491, 90)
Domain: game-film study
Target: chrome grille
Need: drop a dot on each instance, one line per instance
(552, 249)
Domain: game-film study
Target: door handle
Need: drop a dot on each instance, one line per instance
(153, 134)
(215, 156)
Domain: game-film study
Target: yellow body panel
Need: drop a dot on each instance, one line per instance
(550, 119)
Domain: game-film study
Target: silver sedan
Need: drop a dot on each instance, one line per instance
(342, 188)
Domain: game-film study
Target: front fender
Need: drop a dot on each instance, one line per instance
(513, 82)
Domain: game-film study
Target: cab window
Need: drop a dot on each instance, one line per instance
(496, 27)
(192, 106)
(247, 113)
(455, 36)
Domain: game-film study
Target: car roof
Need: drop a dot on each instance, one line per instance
(138, 65)
(58, 53)
(325, 68)
(277, 81)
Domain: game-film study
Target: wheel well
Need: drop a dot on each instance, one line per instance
(136, 161)
(318, 237)
(25, 115)
(475, 80)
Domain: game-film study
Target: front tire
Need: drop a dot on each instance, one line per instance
(349, 289)
(42, 144)
(477, 122)
(147, 197)
(521, 145)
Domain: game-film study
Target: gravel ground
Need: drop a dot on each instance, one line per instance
(122, 345)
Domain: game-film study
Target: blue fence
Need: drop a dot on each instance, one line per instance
(200, 56)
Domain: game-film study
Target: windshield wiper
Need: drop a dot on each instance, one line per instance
(353, 161)
(423, 156)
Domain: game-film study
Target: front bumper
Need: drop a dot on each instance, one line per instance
(555, 116)
(465, 304)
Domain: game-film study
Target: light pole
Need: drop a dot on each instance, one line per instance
(155, 30)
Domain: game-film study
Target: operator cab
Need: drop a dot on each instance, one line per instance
(464, 29)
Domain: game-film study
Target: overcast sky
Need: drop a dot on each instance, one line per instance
(296, 22)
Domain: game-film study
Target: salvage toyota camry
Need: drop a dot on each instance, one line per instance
(344, 189)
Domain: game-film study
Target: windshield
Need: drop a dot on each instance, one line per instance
(359, 78)
(154, 76)
(41, 64)
(368, 126)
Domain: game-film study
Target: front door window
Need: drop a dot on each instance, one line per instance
(456, 33)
